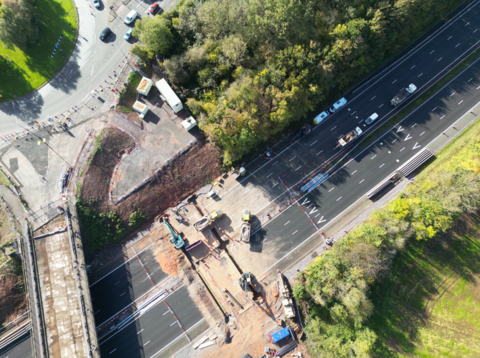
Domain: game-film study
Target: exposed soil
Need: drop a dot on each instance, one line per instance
(12, 292)
(196, 167)
(168, 257)
(114, 143)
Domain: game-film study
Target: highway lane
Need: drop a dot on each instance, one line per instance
(125, 284)
(154, 330)
(90, 64)
(21, 348)
(367, 169)
(421, 66)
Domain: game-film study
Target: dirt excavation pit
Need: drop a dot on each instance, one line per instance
(169, 258)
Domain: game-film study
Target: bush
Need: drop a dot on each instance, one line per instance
(136, 218)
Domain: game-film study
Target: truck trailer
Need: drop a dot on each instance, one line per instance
(170, 96)
(403, 94)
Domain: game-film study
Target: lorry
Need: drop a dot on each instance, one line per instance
(403, 94)
(286, 296)
(238, 173)
(347, 138)
(245, 229)
(207, 220)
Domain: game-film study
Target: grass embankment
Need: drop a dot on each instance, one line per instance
(23, 72)
(405, 282)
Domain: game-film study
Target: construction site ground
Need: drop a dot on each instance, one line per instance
(160, 139)
(59, 293)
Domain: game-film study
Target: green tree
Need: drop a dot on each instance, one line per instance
(19, 23)
(155, 32)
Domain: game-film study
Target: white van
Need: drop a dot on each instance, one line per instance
(339, 104)
(319, 119)
(370, 119)
(132, 15)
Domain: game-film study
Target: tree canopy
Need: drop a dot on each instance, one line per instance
(19, 24)
(251, 69)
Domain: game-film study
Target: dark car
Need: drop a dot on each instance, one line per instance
(105, 33)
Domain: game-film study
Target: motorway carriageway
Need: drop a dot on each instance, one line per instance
(293, 228)
(125, 284)
(421, 66)
(155, 330)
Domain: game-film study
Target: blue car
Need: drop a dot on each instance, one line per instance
(96, 3)
(128, 34)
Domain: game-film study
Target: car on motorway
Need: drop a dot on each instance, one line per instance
(370, 119)
(128, 34)
(337, 105)
(153, 8)
(96, 3)
(132, 15)
(319, 119)
(105, 33)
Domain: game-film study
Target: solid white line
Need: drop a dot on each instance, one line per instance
(131, 258)
(298, 168)
(460, 101)
(361, 181)
(295, 232)
(181, 335)
(314, 143)
(292, 158)
(286, 223)
(333, 128)
(166, 313)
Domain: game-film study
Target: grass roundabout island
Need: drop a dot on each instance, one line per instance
(23, 71)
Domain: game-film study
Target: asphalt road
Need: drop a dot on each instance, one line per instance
(90, 64)
(421, 66)
(124, 284)
(367, 169)
(154, 330)
(21, 348)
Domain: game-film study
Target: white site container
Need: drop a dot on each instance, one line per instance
(140, 108)
(167, 92)
(145, 86)
(189, 123)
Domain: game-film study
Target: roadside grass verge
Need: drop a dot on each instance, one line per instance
(418, 101)
(23, 72)
(430, 305)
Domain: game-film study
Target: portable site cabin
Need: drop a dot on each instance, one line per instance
(140, 108)
(145, 86)
(170, 96)
(189, 123)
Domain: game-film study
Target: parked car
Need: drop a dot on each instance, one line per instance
(96, 3)
(132, 15)
(105, 33)
(128, 34)
(153, 8)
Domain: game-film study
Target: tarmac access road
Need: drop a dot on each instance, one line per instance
(21, 348)
(422, 66)
(281, 237)
(155, 330)
(125, 284)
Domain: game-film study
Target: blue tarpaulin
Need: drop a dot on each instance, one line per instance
(278, 336)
